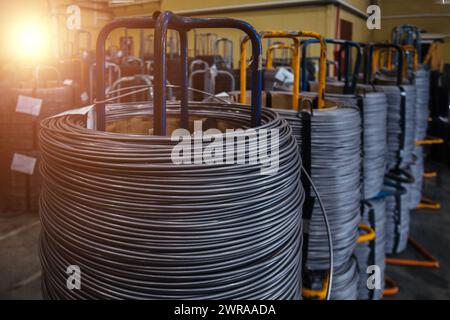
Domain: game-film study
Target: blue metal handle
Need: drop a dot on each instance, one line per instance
(167, 20)
(349, 86)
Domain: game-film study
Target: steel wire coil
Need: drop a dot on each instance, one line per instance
(422, 82)
(345, 284)
(345, 281)
(400, 140)
(373, 252)
(417, 170)
(374, 123)
(397, 216)
(141, 227)
(335, 171)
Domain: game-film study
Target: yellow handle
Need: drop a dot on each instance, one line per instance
(429, 141)
(295, 64)
(428, 204)
(272, 48)
(295, 35)
(430, 174)
(317, 294)
(369, 234)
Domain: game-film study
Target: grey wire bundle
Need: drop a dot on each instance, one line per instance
(374, 112)
(417, 169)
(373, 252)
(400, 148)
(345, 282)
(422, 82)
(397, 216)
(335, 168)
(141, 227)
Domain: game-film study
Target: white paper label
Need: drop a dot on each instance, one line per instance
(68, 82)
(284, 75)
(23, 164)
(78, 111)
(84, 97)
(223, 94)
(29, 105)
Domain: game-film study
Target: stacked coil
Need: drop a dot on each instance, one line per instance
(374, 121)
(372, 253)
(21, 138)
(141, 227)
(344, 284)
(400, 124)
(397, 216)
(417, 170)
(422, 81)
(345, 281)
(335, 170)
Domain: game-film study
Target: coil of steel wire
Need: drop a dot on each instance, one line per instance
(345, 281)
(397, 216)
(372, 253)
(422, 82)
(141, 227)
(335, 170)
(417, 169)
(374, 112)
(400, 129)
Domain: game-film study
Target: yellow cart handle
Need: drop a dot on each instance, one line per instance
(368, 236)
(279, 46)
(294, 35)
(317, 294)
(429, 141)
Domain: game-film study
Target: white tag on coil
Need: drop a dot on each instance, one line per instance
(29, 105)
(24, 164)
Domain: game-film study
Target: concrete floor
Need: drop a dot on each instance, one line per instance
(20, 269)
(431, 229)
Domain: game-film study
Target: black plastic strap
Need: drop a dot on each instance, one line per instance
(308, 205)
(372, 244)
(402, 124)
(360, 104)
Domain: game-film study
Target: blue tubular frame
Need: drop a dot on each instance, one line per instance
(166, 20)
(400, 60)
(349, 86)
(130, 23)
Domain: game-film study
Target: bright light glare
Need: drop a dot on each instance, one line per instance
(29, 40)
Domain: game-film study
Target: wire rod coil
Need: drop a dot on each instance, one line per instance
(422, 83)
(397, 216)
(417, 170)
(335, 169)
(345, 284)
(372, 253)
(374, 121)
(400, 127)
(141, 227)
(345, 281)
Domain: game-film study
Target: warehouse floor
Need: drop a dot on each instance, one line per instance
(20, 269)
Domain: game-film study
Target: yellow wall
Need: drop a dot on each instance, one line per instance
(321, 19)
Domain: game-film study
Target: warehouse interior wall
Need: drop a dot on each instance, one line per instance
(49, 17)
(319, 18)
(429, 15)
